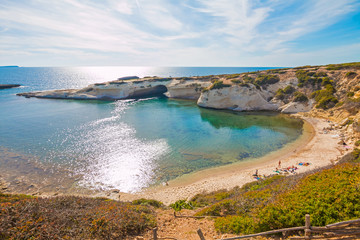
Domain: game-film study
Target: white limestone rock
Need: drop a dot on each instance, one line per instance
(238, 98)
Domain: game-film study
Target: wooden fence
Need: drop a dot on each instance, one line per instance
(334, 231)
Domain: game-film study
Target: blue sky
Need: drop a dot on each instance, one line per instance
(179, 33)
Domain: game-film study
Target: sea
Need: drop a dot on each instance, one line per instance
(130, 145)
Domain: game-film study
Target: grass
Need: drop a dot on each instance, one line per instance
(24, 217)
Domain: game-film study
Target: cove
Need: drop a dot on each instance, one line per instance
(133, 144)
(149, 141)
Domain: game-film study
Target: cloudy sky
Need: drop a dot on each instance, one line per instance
(179, 32)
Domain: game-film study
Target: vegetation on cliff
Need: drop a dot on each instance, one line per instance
(355, 65)
(329, 195)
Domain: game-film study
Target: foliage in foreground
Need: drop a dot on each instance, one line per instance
(329, 195)
(181, 204)
(72, 217)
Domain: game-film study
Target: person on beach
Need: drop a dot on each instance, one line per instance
(279, 163)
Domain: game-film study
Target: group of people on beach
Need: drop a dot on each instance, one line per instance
(280, 170)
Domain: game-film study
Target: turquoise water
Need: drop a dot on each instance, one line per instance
(130, 144)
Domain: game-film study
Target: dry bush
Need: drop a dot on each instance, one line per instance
(71, 218)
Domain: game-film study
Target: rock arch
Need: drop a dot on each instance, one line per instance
(155, 91)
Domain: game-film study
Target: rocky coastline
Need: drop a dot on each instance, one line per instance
(293, 91)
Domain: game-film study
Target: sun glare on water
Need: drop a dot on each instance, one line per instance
(112, 156)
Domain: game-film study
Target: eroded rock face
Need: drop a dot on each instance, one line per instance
(234, 97)
(238, 98)
(120, 89)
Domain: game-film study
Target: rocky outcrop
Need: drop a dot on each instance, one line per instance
(238, 98)
(293, 90)
(121, 89)
(4, 86)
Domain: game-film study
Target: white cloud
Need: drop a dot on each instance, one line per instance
(161, 32)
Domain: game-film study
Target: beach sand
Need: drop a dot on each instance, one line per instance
(315, 146)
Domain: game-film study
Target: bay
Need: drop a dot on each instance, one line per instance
(130, 144)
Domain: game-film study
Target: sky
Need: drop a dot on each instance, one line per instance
(239, 33)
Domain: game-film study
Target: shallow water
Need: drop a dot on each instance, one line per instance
(130, 144)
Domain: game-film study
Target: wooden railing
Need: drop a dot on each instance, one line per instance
(336, 230)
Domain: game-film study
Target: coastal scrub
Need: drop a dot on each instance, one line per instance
(70, 217)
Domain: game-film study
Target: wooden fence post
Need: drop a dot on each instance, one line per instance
(201, 235)
(307, 226)
(155, 234)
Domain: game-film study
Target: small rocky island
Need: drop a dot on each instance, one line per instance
(4, 86)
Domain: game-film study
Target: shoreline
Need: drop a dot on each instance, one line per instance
(313, 147)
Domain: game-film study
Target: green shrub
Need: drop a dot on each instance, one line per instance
(326, 81)
(305, 77)
(300, 97)
(355, 65)
(350, 74)
(247, 78)
(232, 76)
(289, 89)
(222, 208)
(356, 154)
(218, 85)
(181, 204)
(266, 79)
(321, 74)
(279, 71)
(252, 186)
(201, 200)
(235, 225)
(280, 94)
(236, 81)
(357, 143)
(328, 196)
(325, 97)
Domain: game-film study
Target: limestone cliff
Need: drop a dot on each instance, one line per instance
(131, 88)
(331, 91)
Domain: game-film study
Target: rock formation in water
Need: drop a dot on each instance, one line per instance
(3, 86)
(326, 90)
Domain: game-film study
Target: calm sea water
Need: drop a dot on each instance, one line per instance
(130, 144)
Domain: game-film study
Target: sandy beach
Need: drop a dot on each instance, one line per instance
(316, 146)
